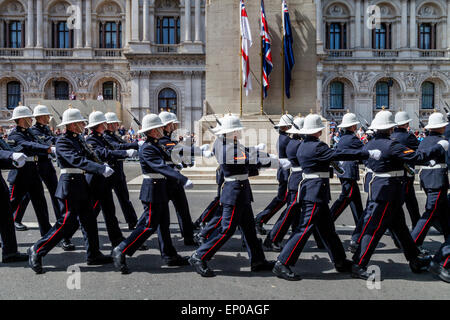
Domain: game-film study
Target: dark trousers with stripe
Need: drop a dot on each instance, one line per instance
(33, 187)
(154, 218)
(104, 201)
(178, 197)
(436, 209)
(7, 231)
(275, 205)
(411, 201)
(360, 225)
(443, 254)
(233, 216)
(350, 195)
(289, 217)
(119, 185)
(379, 216)
(213, 224)
(314, 216)
(76, 210)
(210, 211)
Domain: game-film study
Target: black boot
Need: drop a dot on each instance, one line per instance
(20, 227)
(273, 246)
(420, 264)
(259, 228)
(284, 272)
(35, 261)
(345, 266)
(353, 246)
(360, 272)
(439, 271)
(14, 257)
(262, 266)
(200, 266)
(67, 245)
(100, 259)
(120, 261)
(177, 261)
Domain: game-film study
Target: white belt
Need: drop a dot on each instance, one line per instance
(316, 175)
(238, 177)
(153, 176)
(436, 166)
(389, 174)
(72, 170)
(368, 170)
(32, 159)
(296, 169)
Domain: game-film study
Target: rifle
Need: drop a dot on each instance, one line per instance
(56, 111)
(134, 118)
(366, 124)
(217, 120)
(268, 118)
(420, 121)
(91, 153)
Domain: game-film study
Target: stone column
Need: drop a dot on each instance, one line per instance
(30, 24)
(39, 24)
(145, 21)
(127, 22)
(412, 25)
(358, 24)
(88, 24)
(135, 103)
(404, 25)
(186, 104)
(152, 21)
(197, 21)
(187, 20)
(134, 20)
(319, 24)
(447, 27)
(145, 91)
(366, 30)
(78, 31)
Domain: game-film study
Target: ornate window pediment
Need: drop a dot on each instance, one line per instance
(59, 9)
(12, 8)
(338, 11)
(109, 9)
(167, 4)
(429, 10)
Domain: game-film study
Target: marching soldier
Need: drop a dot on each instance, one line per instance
(315, 157)
(350, 194)
(154, 197)
(73, 194)
(8, 160)
(100, 186)
(26, 180)
(434, 180)
(236, 198)
(281, 199)
(118, 179)
(47, 172)
(385, 195)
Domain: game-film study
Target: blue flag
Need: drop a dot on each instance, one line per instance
(289, 60)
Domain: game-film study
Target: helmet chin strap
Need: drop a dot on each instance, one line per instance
(29, 122)
(80, 129)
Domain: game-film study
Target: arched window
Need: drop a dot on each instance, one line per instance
(13, 94)
(336, 95)
(61, 90)
(428, 95)
(109, 90)
(382, 94)
(167, 100)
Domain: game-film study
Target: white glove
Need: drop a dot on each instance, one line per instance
(260, 146)
(19, 159)
(273, 156)
(207, 154)
(432, 163)
(375, 154)
(132, 153)
(285, 164)
(141, 142)
(53, 150)
(108, 171)
(204, 147)
(189, 184)
(444, 144)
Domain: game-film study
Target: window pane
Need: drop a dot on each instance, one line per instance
(108, 90)
(427, 95)
(382, 95)
(13, 94)
(337, 95)
(61, 90)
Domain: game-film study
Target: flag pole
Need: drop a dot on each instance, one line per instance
(262, 77)
(282, 67)
(241, 80)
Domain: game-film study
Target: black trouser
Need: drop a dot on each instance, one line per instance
(210, 211)
(119, 185)
(314, 216)
(178, 197)
(76, 209)
(213, 223)
(350, 195)
(155, 217)
(7, 231)
(233, 216)
(443, 254)
(436, 209)
(411, 201)
(379, 216)
(275, 205)
(31, 184)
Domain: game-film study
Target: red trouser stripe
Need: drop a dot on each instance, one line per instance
(284, 220)
(95, 205)
(445, 263)
(210, 210)
(429, 218)
(364, 230)
(215, 227)
(310, 218)
(64, 222)
(15, 214)
(373, 236)
(276, 208)
(148, 226)
(12, 193)
(231, 220)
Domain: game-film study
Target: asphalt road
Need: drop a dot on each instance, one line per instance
(151, 280)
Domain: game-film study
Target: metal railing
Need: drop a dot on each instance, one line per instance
(385, 53)
(434, 53)
(110, 53)
(341, 53)
(11, 52)
(58, 52)
(165, 48)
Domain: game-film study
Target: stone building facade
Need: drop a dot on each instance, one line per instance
(146, 54)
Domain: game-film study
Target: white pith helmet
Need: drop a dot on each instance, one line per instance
(217, 127)
(285, 121)
(230, 123)
(436, 121)
(71, 115)
(96, 118)
(151, 121)
(383, 120)
(20, 112)
(174, 117)
(165, 117)
(348, 120)
(299, 122)
(312, 124)
(111, 117)
(402, 118)
(41, 110)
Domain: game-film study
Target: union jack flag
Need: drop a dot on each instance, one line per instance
(267, 63)
(246, 44)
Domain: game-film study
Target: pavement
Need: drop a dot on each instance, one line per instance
(68, 276)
